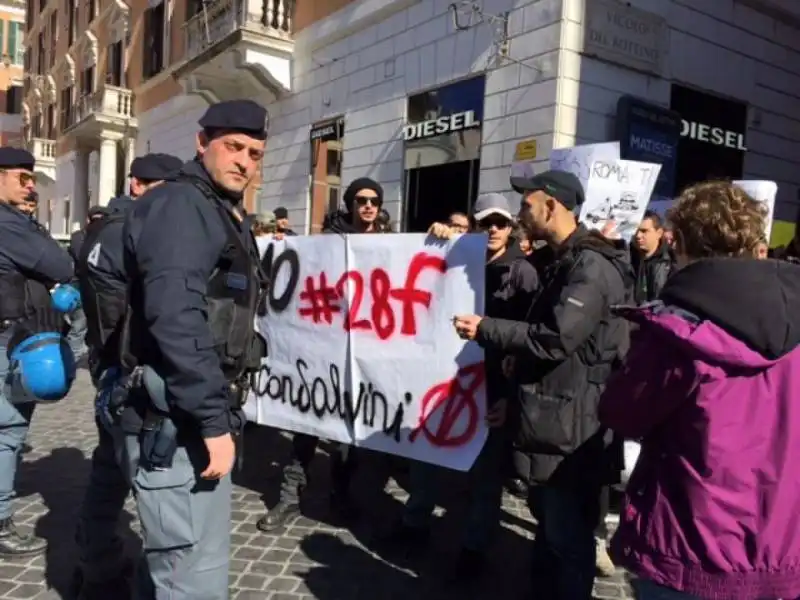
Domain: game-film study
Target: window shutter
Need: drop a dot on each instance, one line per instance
(12, 41)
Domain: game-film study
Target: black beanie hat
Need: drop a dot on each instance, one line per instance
(363, 183)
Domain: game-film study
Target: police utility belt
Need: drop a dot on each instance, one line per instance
(159, 434)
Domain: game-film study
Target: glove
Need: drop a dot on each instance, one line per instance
(43, 320)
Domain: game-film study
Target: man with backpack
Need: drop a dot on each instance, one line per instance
(103, 286)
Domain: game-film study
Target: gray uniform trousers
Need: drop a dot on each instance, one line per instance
(14, 422)
(185, 523)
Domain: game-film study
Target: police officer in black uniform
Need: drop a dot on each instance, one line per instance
(103, 570)
(31, 262)
(194, 289)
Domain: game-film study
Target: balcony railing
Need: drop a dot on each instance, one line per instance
(220, 18)
(43, 150)
(109, 101)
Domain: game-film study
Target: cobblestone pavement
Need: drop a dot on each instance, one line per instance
(310, 559)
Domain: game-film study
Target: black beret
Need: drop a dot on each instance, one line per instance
(16, 158)
(243, 116)
(155, 166)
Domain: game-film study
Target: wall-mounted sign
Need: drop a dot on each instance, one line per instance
(329, 131)
(650, 133)
(626, 36)
(442, 125)
(525, 150)
(713, 136)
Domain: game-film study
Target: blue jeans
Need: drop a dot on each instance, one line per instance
(486, 493)
(564, 548)
(14, 422)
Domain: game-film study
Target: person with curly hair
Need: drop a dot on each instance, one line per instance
(710, 387)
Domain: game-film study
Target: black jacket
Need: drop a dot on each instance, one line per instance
(651, 273)
(340, 221)
(511, 282)
(76, 243)
(565, 350)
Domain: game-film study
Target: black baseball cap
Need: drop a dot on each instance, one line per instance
(561, 185)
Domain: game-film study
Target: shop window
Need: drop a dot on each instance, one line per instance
(326, 140)
(713, 136)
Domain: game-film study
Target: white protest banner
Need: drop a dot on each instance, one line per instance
(618, 191)
(362, 348)
(578, 160)
(763, 191)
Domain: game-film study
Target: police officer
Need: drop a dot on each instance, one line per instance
(31, 262)
(77, 238)
(194, 288)
(103, 570)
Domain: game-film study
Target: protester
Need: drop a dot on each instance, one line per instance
(264, 228)
(282, 223)
(510, 284)
(651, 258)
(458, 222)
(565, 349)
(363, 201)
(710, 387)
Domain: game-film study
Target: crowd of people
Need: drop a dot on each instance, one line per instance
(681, 344)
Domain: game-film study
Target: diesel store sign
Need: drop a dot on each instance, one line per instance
(434, 127)
(713, 136)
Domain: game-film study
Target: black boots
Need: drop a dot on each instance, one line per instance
(13, 544)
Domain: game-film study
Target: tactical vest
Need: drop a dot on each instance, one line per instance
(20, 296)
(103, 297)
(233, 293)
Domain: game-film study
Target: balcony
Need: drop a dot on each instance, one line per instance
(238, 49)
(44, 151)
(105, 114)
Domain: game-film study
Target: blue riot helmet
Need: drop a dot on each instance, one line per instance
(66, 298)
(42, 366)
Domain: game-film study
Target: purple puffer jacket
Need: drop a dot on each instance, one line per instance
(712, 387)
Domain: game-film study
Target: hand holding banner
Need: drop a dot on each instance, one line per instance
(362, 348)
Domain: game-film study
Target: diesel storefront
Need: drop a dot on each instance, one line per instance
(442, 147)
(700, 136)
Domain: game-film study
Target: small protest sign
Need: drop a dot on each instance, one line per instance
(618, 191)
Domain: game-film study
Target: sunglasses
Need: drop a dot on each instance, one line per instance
(24, 178)
(364, 200)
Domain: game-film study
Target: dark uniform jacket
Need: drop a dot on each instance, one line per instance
(564, 351)
(173, 239)
(652, 272)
